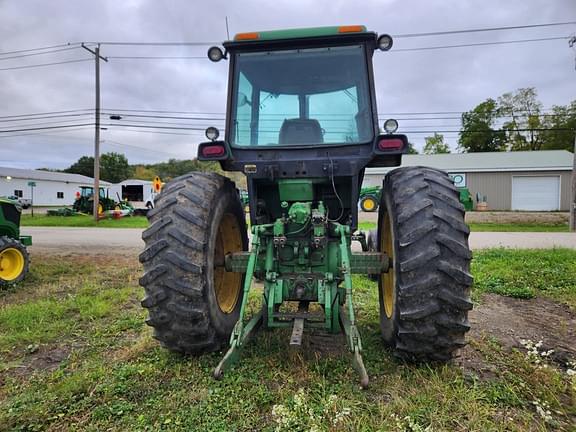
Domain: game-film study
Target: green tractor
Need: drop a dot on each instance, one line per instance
(302, 126)
(84, 202)
(14, 258)
(369, 198)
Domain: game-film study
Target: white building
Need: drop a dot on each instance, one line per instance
(51, 188)
(137, 192)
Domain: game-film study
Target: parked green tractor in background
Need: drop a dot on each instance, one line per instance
(370, 197)
(84, 202)
(14, 258)
(302, 126)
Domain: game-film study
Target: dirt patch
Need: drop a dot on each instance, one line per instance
(510, 320)
(537, 218)
(43, 358)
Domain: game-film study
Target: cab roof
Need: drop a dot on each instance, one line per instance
(299, 33)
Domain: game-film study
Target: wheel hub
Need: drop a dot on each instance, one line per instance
(11, 264)
(227, 285)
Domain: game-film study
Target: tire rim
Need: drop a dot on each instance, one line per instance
(369, 204)
(389, 278)
(227, 285)
(100, 209)
(11, 264)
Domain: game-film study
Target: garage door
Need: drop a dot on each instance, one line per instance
(536, 193)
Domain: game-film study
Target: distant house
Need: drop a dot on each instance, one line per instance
(52, 188)
(527, 180)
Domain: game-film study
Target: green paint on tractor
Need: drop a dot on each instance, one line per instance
(14, 258)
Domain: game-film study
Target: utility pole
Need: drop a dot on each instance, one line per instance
(572, 44)
(96, 194)
(573, 191)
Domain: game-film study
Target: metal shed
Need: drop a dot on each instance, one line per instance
(527, 181)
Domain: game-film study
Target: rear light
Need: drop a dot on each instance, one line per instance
(386, 144)
(213, 151)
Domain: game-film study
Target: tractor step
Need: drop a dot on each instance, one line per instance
(297, 332)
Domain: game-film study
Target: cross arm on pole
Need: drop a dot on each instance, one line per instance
(94, 52)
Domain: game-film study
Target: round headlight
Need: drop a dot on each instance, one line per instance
(212, 133)
(385, 42)
(215, 54)
(390, 126)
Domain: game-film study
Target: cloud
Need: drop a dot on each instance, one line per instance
(417, 81)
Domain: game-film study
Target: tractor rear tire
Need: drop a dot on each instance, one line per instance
(193, 303)
(425, 297)
(369, 204)
(14, 261)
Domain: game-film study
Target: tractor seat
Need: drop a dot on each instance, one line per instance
(300, 131)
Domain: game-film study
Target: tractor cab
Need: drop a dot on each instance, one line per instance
(88, 192)
(302, 105)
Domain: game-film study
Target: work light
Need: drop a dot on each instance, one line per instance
(390, 126)
(212, 133)
(215, 54)
(385, 42)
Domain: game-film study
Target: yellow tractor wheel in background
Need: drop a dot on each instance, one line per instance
(100, 209)
(368, 204)
(14, 261)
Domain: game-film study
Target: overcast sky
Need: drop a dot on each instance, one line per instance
(406, 81)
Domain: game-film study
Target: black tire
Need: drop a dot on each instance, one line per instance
(183, 257)
(8, 247)
(365, 204)
(431, 265)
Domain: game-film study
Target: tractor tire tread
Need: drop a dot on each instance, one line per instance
(433, 274)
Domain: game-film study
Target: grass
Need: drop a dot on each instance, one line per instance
(527, 273)
(141, 222)
(494, 227)
(83, 221)
(111, 375)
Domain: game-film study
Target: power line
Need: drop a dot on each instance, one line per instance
(480, 44)
(40, 48)
(45, 64)
(45, 117)
(72, 129)
(157, 43)
(484, 29)
(44, 128)
(157, 57)
(39, 53)
(47, 113)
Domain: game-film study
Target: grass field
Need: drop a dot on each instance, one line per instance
(141, 222)
(75, 354)
(83, 221)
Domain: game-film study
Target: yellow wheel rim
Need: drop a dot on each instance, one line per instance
(100, 209)
(11, 264)
(227, 285)
(369, 204)
(388, 280)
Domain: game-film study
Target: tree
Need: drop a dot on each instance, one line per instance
(114, 167)
(435, 144)
(84, 166)
(524, 113)
(478, 133)
(563, 120)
